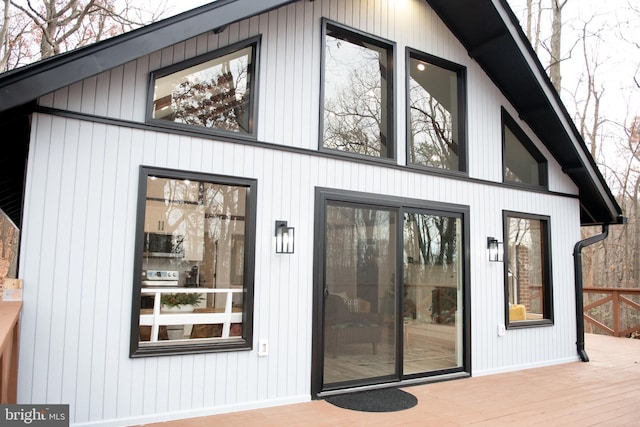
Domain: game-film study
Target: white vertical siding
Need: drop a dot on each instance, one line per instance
(80, 209)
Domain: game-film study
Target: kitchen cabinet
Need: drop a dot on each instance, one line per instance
(179, 219)
(162, 218)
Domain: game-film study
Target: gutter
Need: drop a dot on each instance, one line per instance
(577, 265)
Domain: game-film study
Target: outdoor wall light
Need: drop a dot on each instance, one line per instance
(284, 238)
(495, 249)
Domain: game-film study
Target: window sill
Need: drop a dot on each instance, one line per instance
(521, 324)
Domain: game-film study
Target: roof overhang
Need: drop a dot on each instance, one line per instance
(487, 28)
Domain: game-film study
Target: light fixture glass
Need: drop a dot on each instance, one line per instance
(284, 238)
(495, 249)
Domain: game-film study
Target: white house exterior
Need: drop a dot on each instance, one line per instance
(94, 143)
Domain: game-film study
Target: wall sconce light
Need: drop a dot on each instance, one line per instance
(495, 249)
(284, 238)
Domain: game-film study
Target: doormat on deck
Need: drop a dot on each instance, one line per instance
(380, 400)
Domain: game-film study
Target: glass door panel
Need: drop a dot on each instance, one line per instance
(359, 303)
(432, 293)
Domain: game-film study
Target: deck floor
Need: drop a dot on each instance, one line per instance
(603, 392)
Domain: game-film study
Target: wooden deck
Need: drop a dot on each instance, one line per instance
(602, 392)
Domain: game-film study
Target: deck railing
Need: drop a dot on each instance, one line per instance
(9, 340)
(614, 311)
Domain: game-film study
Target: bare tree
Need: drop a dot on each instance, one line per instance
(556, 43)
(37, 29)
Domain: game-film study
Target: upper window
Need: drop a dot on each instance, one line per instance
(523, 162)
(193, 278)
(528, 290)
(358, 93)
(214, 91)
(436, 112)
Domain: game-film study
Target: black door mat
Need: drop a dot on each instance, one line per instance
(379, 400)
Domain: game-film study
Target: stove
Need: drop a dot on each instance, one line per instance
(160, 278)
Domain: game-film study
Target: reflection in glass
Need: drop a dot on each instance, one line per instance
(356, 94)
(434, 118)
(207, 265)
(525, 269)
(359, 313)
(432, 293)
(520, 165)
(213, 94)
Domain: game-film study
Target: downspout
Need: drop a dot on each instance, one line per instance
(577, 265)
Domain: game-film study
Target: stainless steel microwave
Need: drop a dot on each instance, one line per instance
(163, 245)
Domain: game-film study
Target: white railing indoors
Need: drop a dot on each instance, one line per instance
(160, 318)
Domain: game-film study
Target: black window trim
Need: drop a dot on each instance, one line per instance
(390, 47)
(461, 72)
(135, 349)
(543, 168)
(254, 41)
(548, 317)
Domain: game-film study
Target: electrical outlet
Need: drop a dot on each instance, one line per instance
(263, 348)
(501, 330)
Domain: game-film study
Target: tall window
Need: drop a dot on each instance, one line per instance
(193, 279)
(523, 162)
(214, 91)
(358, 93)
(528, 290)
(436, 112)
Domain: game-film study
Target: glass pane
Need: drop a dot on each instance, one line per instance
(432, 293)
(214, 94)
(525, 274)
(355, 96)
(359, 308)
(193, 263)
(433, 112)
(520, 165)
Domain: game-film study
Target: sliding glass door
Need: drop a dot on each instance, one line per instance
(360, 265)
(432, 292)
(390, 292)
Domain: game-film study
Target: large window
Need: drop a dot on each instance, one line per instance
(523, 162)
(214, 91)
(436, 112)
(357, 93)
(193, 279)
(528, 290)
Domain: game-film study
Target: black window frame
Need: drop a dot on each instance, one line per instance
(461, 72)
(390, 47)
(249, 265)
(547, 273)
(527, 144)
(254, 42)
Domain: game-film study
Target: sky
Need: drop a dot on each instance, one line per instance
(178, 6)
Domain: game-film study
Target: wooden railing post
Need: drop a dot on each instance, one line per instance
(616, 313)
(9, 342)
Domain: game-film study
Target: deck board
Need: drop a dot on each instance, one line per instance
(603, 392)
